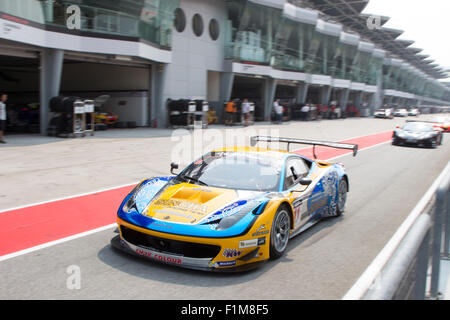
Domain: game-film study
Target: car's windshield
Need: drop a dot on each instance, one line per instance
(418, 127)
(235, 170)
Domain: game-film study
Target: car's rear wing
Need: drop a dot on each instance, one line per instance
(354, 147)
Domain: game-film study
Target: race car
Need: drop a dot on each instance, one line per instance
(400, 113)
(383, 113)
(106, 118)
(441, 122)
(417, 133)
(232, 209)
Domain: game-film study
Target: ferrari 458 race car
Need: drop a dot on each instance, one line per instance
(233, 208)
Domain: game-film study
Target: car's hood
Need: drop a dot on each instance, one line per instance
(193, 204)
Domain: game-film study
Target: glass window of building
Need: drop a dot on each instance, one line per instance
(291, 43)
(214, 29)
(250, 31)
(197, 24)
(179, 20)
(150, 20)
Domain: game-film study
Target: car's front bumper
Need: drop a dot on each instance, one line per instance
(413, 141)
(208, 254)
(185, 262)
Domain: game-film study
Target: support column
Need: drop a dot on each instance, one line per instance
(270, 86)
(343, 99)
(158, 114)
(372, 104)
(359, 100)
(226, 88)
(51, 65)
(325, 93)
(301, 93)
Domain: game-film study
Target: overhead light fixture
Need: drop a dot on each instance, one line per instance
(123, 58)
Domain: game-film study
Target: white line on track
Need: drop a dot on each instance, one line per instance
(55, 242)
(110, 226)
(69, 197)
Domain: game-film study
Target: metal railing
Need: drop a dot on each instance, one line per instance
(408, 267)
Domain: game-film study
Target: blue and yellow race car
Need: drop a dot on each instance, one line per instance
(233, 208)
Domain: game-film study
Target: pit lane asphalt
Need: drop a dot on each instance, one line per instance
(322, 263)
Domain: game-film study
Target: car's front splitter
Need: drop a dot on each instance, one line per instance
(203, 264)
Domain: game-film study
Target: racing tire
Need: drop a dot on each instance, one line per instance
(342, 197)
(279, 233)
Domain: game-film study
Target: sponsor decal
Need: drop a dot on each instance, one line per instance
(225, 263)
(225, 212)
(260, 231)
(318, 204)
(248, 243)
(300, 210)
(159, 256)
(161, 225)
(231, 253)
(261, 241)
(180, 214)
(182, 205)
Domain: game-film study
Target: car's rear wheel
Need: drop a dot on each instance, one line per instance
(342, 197)
(279, 235)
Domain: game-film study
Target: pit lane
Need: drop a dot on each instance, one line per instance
(322, 263)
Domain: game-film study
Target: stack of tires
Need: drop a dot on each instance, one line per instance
(178, 112)
(62, 121)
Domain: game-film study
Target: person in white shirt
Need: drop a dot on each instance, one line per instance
(278, 111)
(305, 110)
(3, 99)
(246, 110)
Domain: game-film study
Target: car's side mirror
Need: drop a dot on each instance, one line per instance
(173, 166)
(305, 182)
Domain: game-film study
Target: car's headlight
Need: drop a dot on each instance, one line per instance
(130, 205)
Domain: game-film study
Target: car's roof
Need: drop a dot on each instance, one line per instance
(273, 153)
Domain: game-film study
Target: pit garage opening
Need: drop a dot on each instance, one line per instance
(285, 92)
(121, 91)
(251, 88)
(19, 79)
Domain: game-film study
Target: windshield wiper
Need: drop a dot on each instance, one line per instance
(194, 179)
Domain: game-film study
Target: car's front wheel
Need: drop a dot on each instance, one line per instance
(279, 235)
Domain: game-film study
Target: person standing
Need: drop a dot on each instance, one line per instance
(278, 111)
(229, 109)
(246, 111)
(305, 111)
(3, 99)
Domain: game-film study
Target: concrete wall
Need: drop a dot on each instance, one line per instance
(192, 56)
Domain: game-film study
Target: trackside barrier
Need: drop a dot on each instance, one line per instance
(400, 270)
